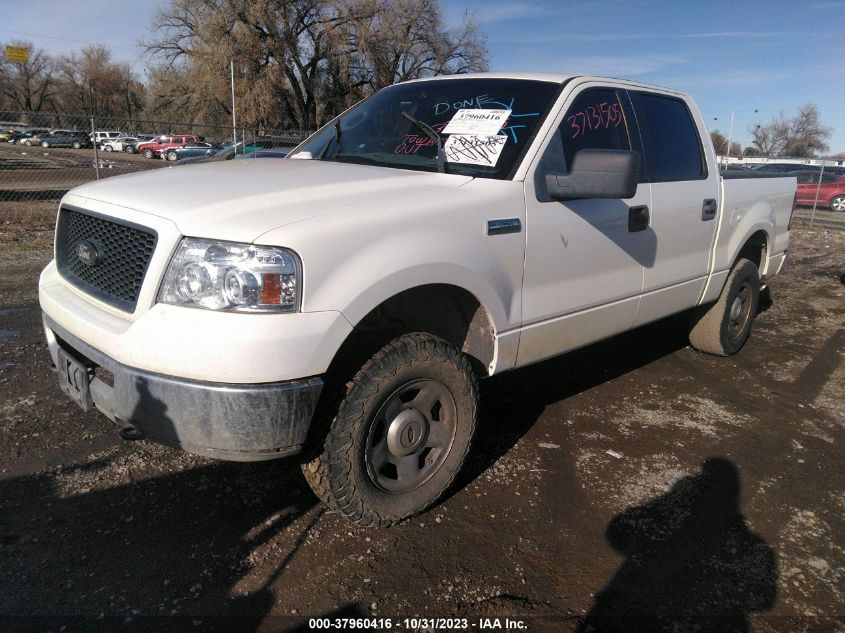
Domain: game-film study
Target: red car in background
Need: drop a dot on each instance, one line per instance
(831, 192)
(165, 142)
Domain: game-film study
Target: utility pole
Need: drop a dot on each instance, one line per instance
(94, 131)
(234, 118)
(730, 135)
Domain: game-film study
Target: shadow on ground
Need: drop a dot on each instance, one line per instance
(690, 562)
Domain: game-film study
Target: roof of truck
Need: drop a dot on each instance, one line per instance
(558, 78)
(551, 77)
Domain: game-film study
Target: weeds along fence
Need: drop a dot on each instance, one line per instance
(39, 160)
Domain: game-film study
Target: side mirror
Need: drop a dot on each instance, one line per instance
(597, 173)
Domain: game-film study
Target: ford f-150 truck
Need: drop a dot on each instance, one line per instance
(342, 303)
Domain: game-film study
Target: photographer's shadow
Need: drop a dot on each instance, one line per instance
(691, 563)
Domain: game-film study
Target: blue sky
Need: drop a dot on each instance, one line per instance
(757, 58)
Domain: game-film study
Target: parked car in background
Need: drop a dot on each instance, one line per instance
(130, 147)
(72, 139)
(165, 142)
(188, 151)
(830, 191)
(101, 136)
(119, 144)
(31, 137)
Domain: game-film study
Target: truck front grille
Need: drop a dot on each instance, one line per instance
(105, 258)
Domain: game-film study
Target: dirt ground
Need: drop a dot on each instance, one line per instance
(635, 485)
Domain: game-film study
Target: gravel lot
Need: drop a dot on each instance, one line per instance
(632, 485)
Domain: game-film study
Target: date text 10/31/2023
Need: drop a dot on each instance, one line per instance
(418, 624)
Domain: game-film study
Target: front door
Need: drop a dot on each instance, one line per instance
(583, 262)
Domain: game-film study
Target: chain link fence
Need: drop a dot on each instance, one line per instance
(821, 185)
(44, 155)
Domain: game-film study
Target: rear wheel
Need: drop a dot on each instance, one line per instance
(108, 148)
(838, 203)
(725, 326)
(77, 145)
(398, 434)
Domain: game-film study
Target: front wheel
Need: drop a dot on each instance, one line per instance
(45, 144)
(725, 326)
(148, 153)
(108, 148)
(399, 434)
(172, 156)
(838, 203)
(77, 145)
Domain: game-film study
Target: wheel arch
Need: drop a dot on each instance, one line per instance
(445, 310)
(755, 248)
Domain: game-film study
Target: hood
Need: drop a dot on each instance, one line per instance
(238, 200)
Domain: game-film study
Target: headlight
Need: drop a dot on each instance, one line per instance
(235, 277)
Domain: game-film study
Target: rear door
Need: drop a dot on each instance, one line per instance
(684, 203)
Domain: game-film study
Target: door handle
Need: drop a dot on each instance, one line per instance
(708, 209)
(638, 219)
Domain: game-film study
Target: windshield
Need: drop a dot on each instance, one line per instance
(485, 125)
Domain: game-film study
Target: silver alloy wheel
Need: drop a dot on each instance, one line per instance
(410, 435)
(838, 203)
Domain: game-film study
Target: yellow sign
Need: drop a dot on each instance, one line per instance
(17, 54)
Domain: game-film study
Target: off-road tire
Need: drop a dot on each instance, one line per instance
(716, 330)
(338, 473)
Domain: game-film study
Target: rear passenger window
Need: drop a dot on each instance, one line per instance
(671, 138)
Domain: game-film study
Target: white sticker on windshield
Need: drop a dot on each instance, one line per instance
(474, 150)
(477, 122)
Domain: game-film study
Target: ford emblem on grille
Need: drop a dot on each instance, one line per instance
(88, 253)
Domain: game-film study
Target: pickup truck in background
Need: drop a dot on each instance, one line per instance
(342, 303)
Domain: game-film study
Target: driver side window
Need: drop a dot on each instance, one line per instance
(595, 120)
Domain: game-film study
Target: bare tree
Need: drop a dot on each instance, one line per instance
(397, 40)
(806, 135)
(92, 83)
(720, 145)
(302, 61)
(801, 136)
(29, 86)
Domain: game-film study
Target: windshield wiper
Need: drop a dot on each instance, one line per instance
(434, 136)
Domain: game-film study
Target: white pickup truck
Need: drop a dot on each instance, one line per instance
(343, 302)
